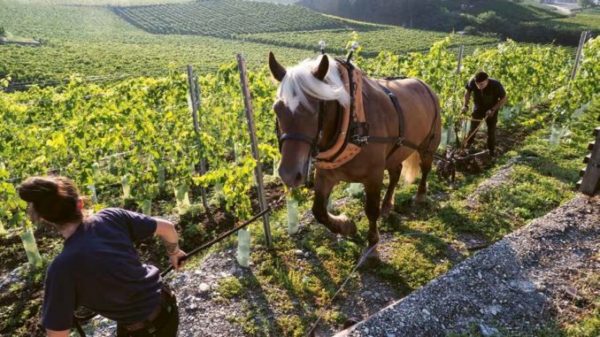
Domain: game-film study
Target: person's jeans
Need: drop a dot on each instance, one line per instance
(491, 129)
(167, 322)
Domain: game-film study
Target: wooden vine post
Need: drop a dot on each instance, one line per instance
(194, 102)
(451, 123)
(252, 130)
(582, 38)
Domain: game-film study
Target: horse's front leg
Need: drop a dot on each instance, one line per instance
(324, 183)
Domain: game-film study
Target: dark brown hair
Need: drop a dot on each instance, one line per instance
(53, 199)
(481, 76)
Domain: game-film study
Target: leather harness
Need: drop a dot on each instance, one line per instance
(352, 127)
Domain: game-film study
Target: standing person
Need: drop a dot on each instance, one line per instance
(489, 96)
(99, 267)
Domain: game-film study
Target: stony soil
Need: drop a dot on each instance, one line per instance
(542, 273)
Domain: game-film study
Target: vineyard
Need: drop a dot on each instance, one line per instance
(394, 39)
(225, 18)
(132, 143)
(95, 42)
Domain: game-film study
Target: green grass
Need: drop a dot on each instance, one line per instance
(230, 287)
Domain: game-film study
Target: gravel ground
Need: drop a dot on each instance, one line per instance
(202, 311)
(531, 277)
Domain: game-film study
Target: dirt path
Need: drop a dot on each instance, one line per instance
(545, 272)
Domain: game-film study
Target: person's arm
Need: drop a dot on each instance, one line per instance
(467, 97)
(52, 333)
(166, 231)
(500, 103)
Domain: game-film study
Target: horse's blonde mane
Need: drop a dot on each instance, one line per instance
(299, 83)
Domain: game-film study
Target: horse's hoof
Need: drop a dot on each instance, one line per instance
(348, 229)
(386, 210)
(345, 226)
(373, 259)
(350, 322)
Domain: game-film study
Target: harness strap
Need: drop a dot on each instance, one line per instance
(425, 146)
(298, 137)
(400, 140)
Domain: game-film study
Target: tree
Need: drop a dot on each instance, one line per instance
(585, 3)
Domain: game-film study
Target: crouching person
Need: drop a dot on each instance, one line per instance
(99, 267)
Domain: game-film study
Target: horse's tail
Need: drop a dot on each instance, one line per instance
(411, 167)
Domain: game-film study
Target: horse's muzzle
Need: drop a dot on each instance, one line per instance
(295, 175)
(291, 179)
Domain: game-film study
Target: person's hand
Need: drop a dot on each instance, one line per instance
(464, 109)
(174, 259)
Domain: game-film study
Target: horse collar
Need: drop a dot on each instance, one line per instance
(353, 133)
(354, 128)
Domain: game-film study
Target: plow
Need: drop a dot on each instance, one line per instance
(459, 158)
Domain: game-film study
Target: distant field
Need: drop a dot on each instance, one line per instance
(294, 26)
(225, 18)
(589, 19)
(516, 12)
(93, 41)
(395, 39)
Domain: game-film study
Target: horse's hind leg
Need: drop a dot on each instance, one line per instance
(426, 162)
(388, 200)
(373, 192)
(336, 224)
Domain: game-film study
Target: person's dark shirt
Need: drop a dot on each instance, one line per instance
(100, 269)
(488, 97)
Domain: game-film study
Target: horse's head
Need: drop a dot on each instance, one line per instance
(300, 91)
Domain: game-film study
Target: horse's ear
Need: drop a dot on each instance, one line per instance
(321, 71)
(277, 69)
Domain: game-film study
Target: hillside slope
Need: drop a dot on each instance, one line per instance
(521, 21)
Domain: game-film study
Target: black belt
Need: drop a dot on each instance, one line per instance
(158, 318)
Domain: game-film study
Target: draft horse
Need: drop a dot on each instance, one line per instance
(355, 128)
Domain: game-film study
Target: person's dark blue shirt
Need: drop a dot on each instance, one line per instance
(488, 97)
(100, 269)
